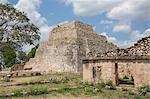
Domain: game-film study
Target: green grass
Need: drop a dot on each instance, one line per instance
(38, 90)
(66, 85)
(18, 92)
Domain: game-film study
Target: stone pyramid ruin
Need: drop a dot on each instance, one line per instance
(67, 46)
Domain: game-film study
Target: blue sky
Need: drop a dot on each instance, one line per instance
(123, 22)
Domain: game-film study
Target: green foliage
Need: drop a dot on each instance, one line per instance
(32, 53)
(90, 89)
(109, 85)
(38, 90)
(20, 31)
(125, 77)
(64, 90)
(58, 81)
(16, 30)
(22, 57)
(100, 85)
(131, 92)
(17, 93)
(106, 85)
(9, 57)
(144, 89)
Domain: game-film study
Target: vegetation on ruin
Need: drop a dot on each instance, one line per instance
(16, 30)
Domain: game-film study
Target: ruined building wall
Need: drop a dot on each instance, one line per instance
(141, 48)
(106, 71)
(67, 45)
(125, 70)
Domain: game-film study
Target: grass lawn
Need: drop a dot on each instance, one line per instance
(63, 86)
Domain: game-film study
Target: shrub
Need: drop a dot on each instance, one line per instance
(37, 90)
(58, 80)
(75, 91)
(85, 84)
(100, 85)
(67, 90)
(88, 89)
(17, 92)
(144, 89)
(97, 87)
(109, 85)
(131, 93)
(64, 90)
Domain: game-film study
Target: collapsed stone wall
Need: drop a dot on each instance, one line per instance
(132, 62)
(67, 46)
(141, 48)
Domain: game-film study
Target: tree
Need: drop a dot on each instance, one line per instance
(16, 30)
(22, 57)
(9, 57)
(15, 27)
(32, 53)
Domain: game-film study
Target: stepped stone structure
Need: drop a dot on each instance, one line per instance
(132, 63)
(67, 45)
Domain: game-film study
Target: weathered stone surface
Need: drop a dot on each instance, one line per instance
(141, 48)
(67, 45)
(17, 67)
(133, 62)
(111, 70)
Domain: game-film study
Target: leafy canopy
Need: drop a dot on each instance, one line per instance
(16, 30)
(32, 53)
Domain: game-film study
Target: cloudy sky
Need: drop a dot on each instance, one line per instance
(122, 21)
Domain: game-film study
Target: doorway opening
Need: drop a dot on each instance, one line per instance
(124, 78)
(94, 72)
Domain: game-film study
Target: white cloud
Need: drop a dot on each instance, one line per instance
(119, 43)
(94, 28)
(109, 38)
(115, 9)
(136, 35)
(131, 10)
(91, 7)
(4, 1)
(64, 22)
(123, 28)
(121, 10)
(106, 22)
(31, 8)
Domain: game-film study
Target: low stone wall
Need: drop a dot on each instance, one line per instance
(17, 67)
(9, 74)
